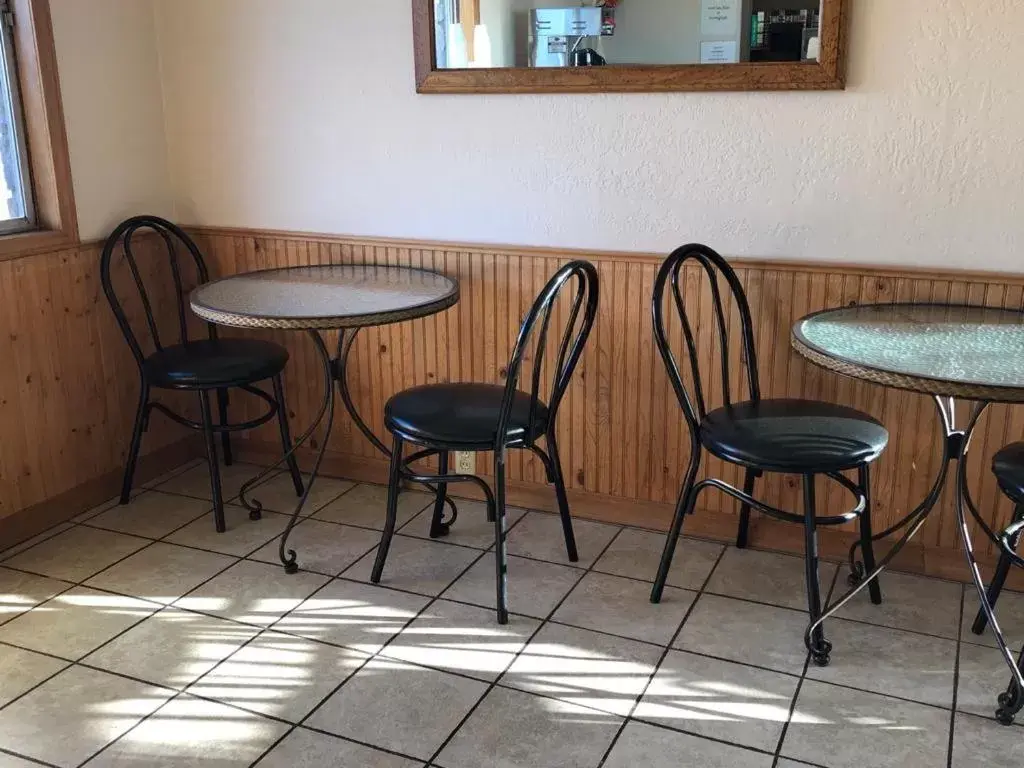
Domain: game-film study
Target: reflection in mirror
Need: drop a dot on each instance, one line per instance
(484, 34)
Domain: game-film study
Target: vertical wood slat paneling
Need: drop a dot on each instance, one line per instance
(621, 432)
(68, 384)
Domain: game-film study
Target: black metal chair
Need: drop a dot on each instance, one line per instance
(786, 436)
(202, 366)
(492, 417)
(1008, 466)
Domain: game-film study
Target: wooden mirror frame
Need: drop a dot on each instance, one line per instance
(828, 73)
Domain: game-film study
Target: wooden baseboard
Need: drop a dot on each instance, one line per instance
(765, 533)
(33, 520)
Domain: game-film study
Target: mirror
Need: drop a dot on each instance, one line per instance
(627, 45)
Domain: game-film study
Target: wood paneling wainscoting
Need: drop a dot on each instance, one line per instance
(622, 436)
(69, 388)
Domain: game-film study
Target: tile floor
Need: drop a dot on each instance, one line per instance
(137, 636)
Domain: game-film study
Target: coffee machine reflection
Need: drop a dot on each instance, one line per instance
(557, 36)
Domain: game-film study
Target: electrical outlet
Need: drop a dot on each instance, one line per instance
(465, 462)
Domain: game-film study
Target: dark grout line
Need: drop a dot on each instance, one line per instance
(803, 677)
(661, 660)
(26, 758)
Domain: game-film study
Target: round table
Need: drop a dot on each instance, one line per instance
(951, 353)
(330, 297)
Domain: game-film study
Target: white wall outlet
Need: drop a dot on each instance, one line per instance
(465, 462)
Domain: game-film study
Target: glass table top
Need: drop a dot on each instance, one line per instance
(325, 296)
(958, 345)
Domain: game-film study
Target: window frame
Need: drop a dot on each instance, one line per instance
(49, 166)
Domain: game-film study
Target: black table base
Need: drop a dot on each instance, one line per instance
(335, 371)
(955, 447)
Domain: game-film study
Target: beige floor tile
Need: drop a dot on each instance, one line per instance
(719, 699)
(171, 473)
(196, 481)
(75, 622)
(161, 572)
(462, 638)
(415, 565)
(842, 728)
(910, 602)
(722, 626)
(400, 707)
(241, 537)
(534, 588)
(512, 728)
(365, 506)
(1009, 612)
(22, 670)
(21, 546)
(76, 713)
(77, 554)
(766, 577)
(623, 607)
(10, 761)
(984, 674)
(171, 648)
(189, 732)
(254, 593)
(278, 493)
(321, 547)
(980, 743)
(471, 529)
(352, 614)
(309, 749)
(20, 591)
(585, 668)
(539, 535)
(150, 514)
(279, 675)
(637, 554)
(646, 745)
(889, 661)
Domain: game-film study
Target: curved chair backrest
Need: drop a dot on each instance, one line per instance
(170, 234)
(583, 277)
(693, 401)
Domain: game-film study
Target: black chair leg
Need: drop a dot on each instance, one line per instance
(995, 588)
(558, 480)
(500, 558)
(286, 436)
(136, 445)
(749, 480)
(225, 437)
(211, 459)
(820, 647)
(684, 506)
(867, 545)
(394, 481)
(437, 526)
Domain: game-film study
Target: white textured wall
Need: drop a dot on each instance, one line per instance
(306, 118)
(113, 108)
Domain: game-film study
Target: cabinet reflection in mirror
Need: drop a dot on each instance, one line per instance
(628, 45)
(558, 33)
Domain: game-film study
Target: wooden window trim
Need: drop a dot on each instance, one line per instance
(49, 162)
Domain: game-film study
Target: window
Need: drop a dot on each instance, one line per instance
(37, 206)
(15, 184)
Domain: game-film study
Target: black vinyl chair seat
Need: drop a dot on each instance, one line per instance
(793, 436)
(1008, 466)
(211, 363)
(463, 415)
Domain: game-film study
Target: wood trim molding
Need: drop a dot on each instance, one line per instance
(49, 162)
(826, 74)
(629, 257)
